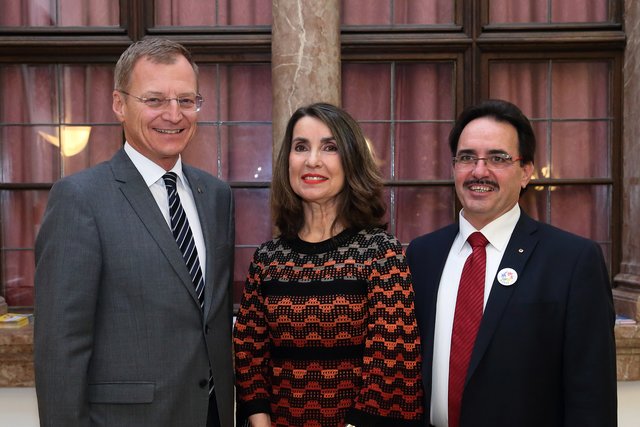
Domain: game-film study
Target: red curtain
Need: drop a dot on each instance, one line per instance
(549, 11)
(405, 108)
(569, 104)
(397, 12)
(212, 12)
(59, 13)
(28, 157)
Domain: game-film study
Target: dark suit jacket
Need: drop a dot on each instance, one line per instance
(119, 336)
(545, 351)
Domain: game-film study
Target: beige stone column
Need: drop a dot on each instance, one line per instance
(3, 306)
(627, 291)
(305, 58)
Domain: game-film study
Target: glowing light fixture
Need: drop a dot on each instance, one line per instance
(545, 172)
(74, 139)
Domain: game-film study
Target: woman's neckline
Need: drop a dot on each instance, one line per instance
(327, 245)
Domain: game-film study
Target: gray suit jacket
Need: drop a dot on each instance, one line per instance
(119, 337)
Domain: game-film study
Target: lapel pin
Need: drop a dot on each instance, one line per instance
(520, 250)
(199, 190)
(507, 276)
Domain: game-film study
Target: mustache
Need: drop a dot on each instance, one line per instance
(481, 182)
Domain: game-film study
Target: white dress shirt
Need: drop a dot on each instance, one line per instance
(152, 175)
(498, 232)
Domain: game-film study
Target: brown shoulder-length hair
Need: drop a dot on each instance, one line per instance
(360, 202)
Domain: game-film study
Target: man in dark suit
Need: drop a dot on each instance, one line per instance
(541, 351)
(125, 333)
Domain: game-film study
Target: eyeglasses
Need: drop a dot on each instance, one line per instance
(494, 161)
(186, 103)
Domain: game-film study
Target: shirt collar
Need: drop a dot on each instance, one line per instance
(498, 232)
(149, 170)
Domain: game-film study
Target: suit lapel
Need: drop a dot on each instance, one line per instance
(203, 202)
(137, 193)
(438, 259)
(427, 256)
(435, 257)
(521, 245)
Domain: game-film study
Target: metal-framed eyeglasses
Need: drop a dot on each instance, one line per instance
(493, 161)
(186, 103)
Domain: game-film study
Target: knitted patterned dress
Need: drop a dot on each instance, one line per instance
(326, 333)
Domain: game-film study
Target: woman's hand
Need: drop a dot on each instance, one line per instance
(260, 420)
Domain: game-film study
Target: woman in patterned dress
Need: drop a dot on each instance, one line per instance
(326, 333)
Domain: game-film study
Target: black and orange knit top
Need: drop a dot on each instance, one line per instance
(326, 334)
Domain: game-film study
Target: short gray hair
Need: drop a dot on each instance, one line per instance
(157, 50)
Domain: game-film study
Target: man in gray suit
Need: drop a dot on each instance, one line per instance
(125, 333)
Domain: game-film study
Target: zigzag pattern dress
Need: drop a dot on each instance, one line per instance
(327, 332)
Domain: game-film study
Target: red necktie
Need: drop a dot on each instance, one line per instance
(466, 322)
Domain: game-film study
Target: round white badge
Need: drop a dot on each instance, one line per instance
(507, 276)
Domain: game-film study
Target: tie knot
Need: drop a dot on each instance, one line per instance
(477, 239)
(170, 179)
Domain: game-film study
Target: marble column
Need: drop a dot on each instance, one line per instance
(627, 283)
(305, 58)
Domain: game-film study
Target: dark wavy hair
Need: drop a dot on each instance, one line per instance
(360, 203)
(501, 111)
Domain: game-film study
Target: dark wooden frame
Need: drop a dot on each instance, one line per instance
(471, 42)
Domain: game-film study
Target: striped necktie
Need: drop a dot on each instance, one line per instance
(186, 243)
(183, 235)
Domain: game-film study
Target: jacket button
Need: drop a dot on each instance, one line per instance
(206, 329)
(203, 383)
